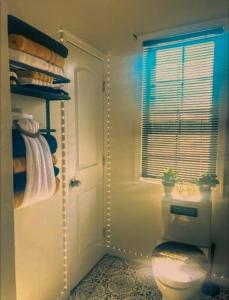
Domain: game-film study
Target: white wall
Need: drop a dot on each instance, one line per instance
(136, 223)
(135, 205)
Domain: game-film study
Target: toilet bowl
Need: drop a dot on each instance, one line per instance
(179, 270)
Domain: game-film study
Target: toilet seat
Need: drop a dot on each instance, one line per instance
(179, 265)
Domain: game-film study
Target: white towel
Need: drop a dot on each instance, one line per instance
(40, 183)
(19, 115)
(35, 62)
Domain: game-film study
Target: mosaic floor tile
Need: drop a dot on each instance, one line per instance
(114, 278)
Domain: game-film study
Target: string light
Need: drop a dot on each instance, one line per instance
(108, 235)
(61, 35)
(64, 203)
(108, 203)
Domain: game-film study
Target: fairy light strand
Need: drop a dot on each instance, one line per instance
(64, 202)
(108, 157)
(64, 190)
(108, 204)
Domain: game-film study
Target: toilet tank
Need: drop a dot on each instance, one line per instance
(187, 221)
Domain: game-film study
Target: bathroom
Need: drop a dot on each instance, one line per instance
(95, 238)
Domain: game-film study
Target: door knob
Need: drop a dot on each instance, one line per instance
(74, 182)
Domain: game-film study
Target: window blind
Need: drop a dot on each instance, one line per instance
(180, 115)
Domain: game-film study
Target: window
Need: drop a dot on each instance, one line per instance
(180, 104)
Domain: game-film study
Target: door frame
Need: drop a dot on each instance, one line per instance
(7, 249)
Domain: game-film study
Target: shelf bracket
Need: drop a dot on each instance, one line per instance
(48, 122)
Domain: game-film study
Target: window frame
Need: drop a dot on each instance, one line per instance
(181, 45)
(223, 105)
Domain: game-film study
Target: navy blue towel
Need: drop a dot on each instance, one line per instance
(59, 92)
(20, 180)
(19, 149)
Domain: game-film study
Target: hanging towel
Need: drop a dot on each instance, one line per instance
(20, 179)
(19, 196)
(19, 164)
(19, 143)
(40, 177)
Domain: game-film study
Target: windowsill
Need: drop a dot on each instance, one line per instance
(150, 180)
(187, 196)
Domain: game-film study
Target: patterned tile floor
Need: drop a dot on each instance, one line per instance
(115, 278)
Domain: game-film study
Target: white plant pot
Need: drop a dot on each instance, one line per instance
(205, 195)
(168, 190)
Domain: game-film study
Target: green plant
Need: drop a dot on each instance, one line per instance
(207, 181)
(169, 177)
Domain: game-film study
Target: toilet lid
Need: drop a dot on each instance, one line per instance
(179, 265)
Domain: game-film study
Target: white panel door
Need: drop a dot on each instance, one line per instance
(85, 134)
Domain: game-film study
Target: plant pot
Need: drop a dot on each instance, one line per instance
(168, 190)
(205, 194)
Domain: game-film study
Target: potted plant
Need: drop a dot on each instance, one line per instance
(169, 179)
(205, 183)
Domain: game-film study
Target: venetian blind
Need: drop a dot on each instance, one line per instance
(180, 104)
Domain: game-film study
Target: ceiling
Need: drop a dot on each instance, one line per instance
(107, 24)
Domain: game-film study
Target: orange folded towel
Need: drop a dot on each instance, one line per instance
(18, 199)
(57, 184)
(54, 159)
(19, 196)
(21, 43)
(19, 164)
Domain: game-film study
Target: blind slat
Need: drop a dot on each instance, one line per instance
(180, 107)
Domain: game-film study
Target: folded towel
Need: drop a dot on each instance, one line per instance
(19, 196)
(26, 45)
(35, 82)
(13, 74)
(47, 89)
(19, 164)
(21, 74)
(18, 199)
(21, 43)
(19, 149)
(19, 180)
(57, 184)
(16, 115)
(54, 159)
(13, 78)
(25, 58)
(13, 82)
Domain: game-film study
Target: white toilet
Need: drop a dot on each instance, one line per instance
(180, 260)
